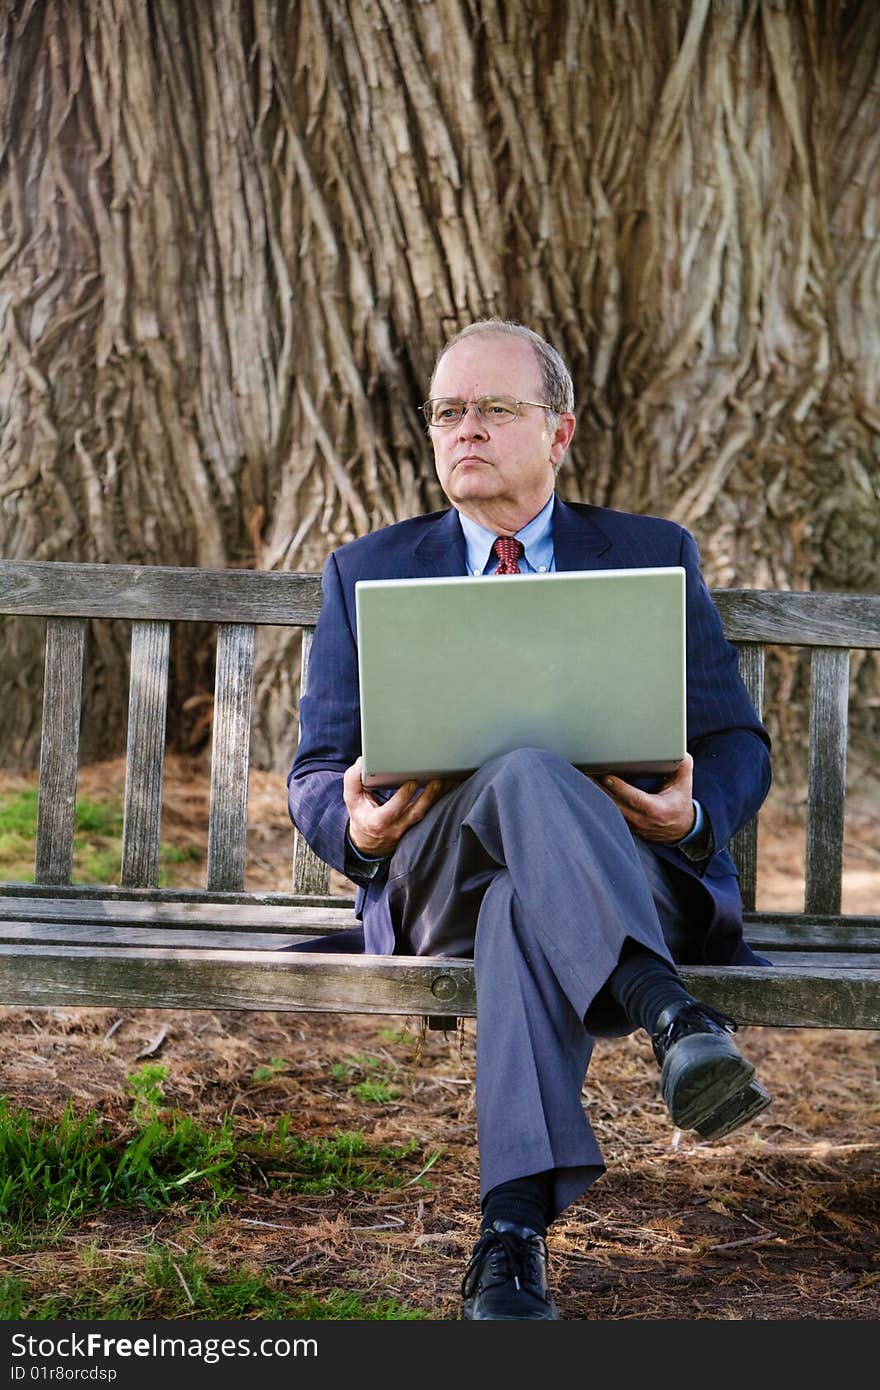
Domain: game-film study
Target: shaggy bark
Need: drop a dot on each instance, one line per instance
(234, 235)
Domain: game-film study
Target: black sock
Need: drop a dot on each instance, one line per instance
(524, 1201)
(644, 985)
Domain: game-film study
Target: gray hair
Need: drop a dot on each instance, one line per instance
(556, 378)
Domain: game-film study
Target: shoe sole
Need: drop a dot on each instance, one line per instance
(552, 1315)
(736, 1111)
(703, 1073)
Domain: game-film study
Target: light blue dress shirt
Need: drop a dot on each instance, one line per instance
(536, 537)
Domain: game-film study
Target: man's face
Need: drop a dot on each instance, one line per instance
(503, 468)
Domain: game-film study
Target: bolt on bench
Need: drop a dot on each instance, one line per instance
(221, 947)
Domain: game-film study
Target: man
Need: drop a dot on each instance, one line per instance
(573, 895)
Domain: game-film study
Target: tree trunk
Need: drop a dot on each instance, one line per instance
(235, 234)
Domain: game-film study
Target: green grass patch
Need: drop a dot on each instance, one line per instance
(397, 1035)
(374, 1092)
(269, 1071)
(146, 1091)
(53, 1172)
(343, 1162)
(173, 1285)
(97, 841)
(376, 1084)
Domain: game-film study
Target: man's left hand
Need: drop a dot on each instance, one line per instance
(662, 817)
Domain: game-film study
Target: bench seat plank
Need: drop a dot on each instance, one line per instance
(178, 917)
(794, 931)
(281, 912)
(290, 913)
(131, 976)
(819, 996)
(103, 936)
(112, 893)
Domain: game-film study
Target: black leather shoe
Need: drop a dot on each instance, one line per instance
(705, 1081)
(507, 1275)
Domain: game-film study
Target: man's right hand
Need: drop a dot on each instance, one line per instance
(376, 828)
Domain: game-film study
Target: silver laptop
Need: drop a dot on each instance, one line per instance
(587, 664)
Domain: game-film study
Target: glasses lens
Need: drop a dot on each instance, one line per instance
(445, 410)
(497, 410)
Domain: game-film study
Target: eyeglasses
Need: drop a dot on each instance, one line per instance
(445, 411)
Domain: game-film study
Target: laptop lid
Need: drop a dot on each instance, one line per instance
(587, 664)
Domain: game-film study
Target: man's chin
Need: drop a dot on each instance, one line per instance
(461, 496)
(474, 481)
(471, 468)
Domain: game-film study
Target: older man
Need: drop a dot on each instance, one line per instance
(575, 896)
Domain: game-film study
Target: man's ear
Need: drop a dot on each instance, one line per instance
(562, 436)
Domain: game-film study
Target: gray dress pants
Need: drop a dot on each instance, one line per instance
(529, 868)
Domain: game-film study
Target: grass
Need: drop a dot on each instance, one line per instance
(54, 1172)
(170, 1284)
(269, 1071)
(97, 841)
(377, 1084)
(344, 1162)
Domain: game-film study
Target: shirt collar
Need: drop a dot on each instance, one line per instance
(536, 537)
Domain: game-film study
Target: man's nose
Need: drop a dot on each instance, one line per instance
(471, 425)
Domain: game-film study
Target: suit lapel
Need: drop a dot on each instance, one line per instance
(441, 551)
(578, 542)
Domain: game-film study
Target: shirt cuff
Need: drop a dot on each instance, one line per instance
(359, 865)
(698, 843)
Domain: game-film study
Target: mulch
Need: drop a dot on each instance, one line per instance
(779, 1221)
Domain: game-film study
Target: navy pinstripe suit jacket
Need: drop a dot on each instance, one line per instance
(728, 743)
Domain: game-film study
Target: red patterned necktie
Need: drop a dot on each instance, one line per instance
(508, 549)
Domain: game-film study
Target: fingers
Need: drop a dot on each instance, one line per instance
(683, 776)
(377, 827)
(663, 816)
(422, 799)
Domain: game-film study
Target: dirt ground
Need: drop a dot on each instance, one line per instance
(780, 1221)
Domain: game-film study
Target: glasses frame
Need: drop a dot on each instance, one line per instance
(435, 425)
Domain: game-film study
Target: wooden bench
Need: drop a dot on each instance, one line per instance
(219, 948)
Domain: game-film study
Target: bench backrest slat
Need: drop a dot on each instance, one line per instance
(145, 753)
(178, 593)
(310, 874)
(230, 757)
(62, 697)
(800, 619)
(829, 702)
(744, 845)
